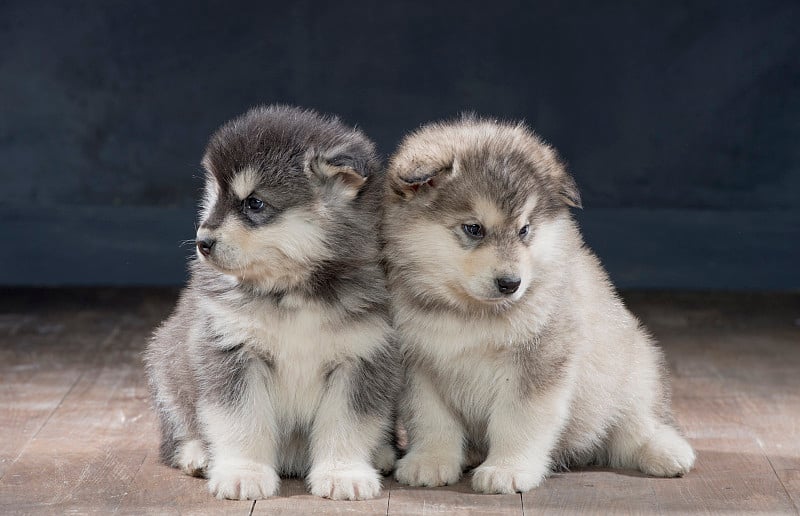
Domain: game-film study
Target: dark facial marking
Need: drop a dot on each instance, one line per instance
(255, 212)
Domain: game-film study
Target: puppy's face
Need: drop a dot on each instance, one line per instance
(476, 226)
(269, 206)
(261, 226)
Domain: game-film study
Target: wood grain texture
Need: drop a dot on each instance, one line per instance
(294, 498)
(78, 434)
(455, 499)
(593, 491)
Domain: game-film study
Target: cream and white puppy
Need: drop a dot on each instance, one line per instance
(520, 355)
(279, 359)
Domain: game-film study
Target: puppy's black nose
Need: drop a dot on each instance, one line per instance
(507, 285)
(204, 245)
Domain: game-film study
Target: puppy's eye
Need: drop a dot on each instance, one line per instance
(473, 230)
(254, 203)
(524, 231)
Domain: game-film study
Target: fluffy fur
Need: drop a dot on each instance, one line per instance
(279, 358)
(520, 355)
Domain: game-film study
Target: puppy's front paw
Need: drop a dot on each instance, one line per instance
(666, 454)
(349, 482)
(192, 458)
(383, 458)
(504, 479)
(431, 470)
(243, 481)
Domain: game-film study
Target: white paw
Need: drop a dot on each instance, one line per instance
(383, 458)
(243, 481)
(505, 479)
(421, 469)
(192, 458)
(666, 454)
(350, 482)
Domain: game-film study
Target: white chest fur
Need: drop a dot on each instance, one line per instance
(471, 361)
(303, 342)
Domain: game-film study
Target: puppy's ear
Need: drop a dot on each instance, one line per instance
(569, 191)
(342, 169)
(554, 168)
(420, 180)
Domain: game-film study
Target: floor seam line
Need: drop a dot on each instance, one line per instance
(780, 481)
(388, 499)
(44, 424)
(133, 479)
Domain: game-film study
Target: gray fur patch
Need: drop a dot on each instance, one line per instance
(222, 374)
(375, 381)
(541, 365)
(168, 447)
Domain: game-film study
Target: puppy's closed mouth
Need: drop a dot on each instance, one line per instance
(497, 302)
(491, 300)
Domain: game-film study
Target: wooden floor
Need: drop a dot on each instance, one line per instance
(77, 434)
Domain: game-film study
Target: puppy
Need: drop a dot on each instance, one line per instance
(279, 358)
(518, 350)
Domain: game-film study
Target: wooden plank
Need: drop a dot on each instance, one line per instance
(753, 359)
(455, 499)
(294, 498)
(34, 378)
(730, 477)
(73, 400)
(777, 423)
(593, 491)
(789, 474)
(159, 489)
(735, 470)
(26, 403)
(94, 432)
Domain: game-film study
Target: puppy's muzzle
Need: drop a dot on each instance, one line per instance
(205, 245)
(507, 285)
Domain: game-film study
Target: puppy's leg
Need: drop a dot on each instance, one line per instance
(640, 441)
(383, 458)
(343, 439)
(522, 434)
(181, 445)
(666, 453)
(240, 428)
(436, 438)
(192, 458)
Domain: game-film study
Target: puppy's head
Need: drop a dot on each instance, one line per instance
(477, 213)
(279, 182)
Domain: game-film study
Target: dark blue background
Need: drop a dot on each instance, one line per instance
(679, 120)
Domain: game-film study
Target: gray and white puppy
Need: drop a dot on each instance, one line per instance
(519, 352)
(279, 358)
